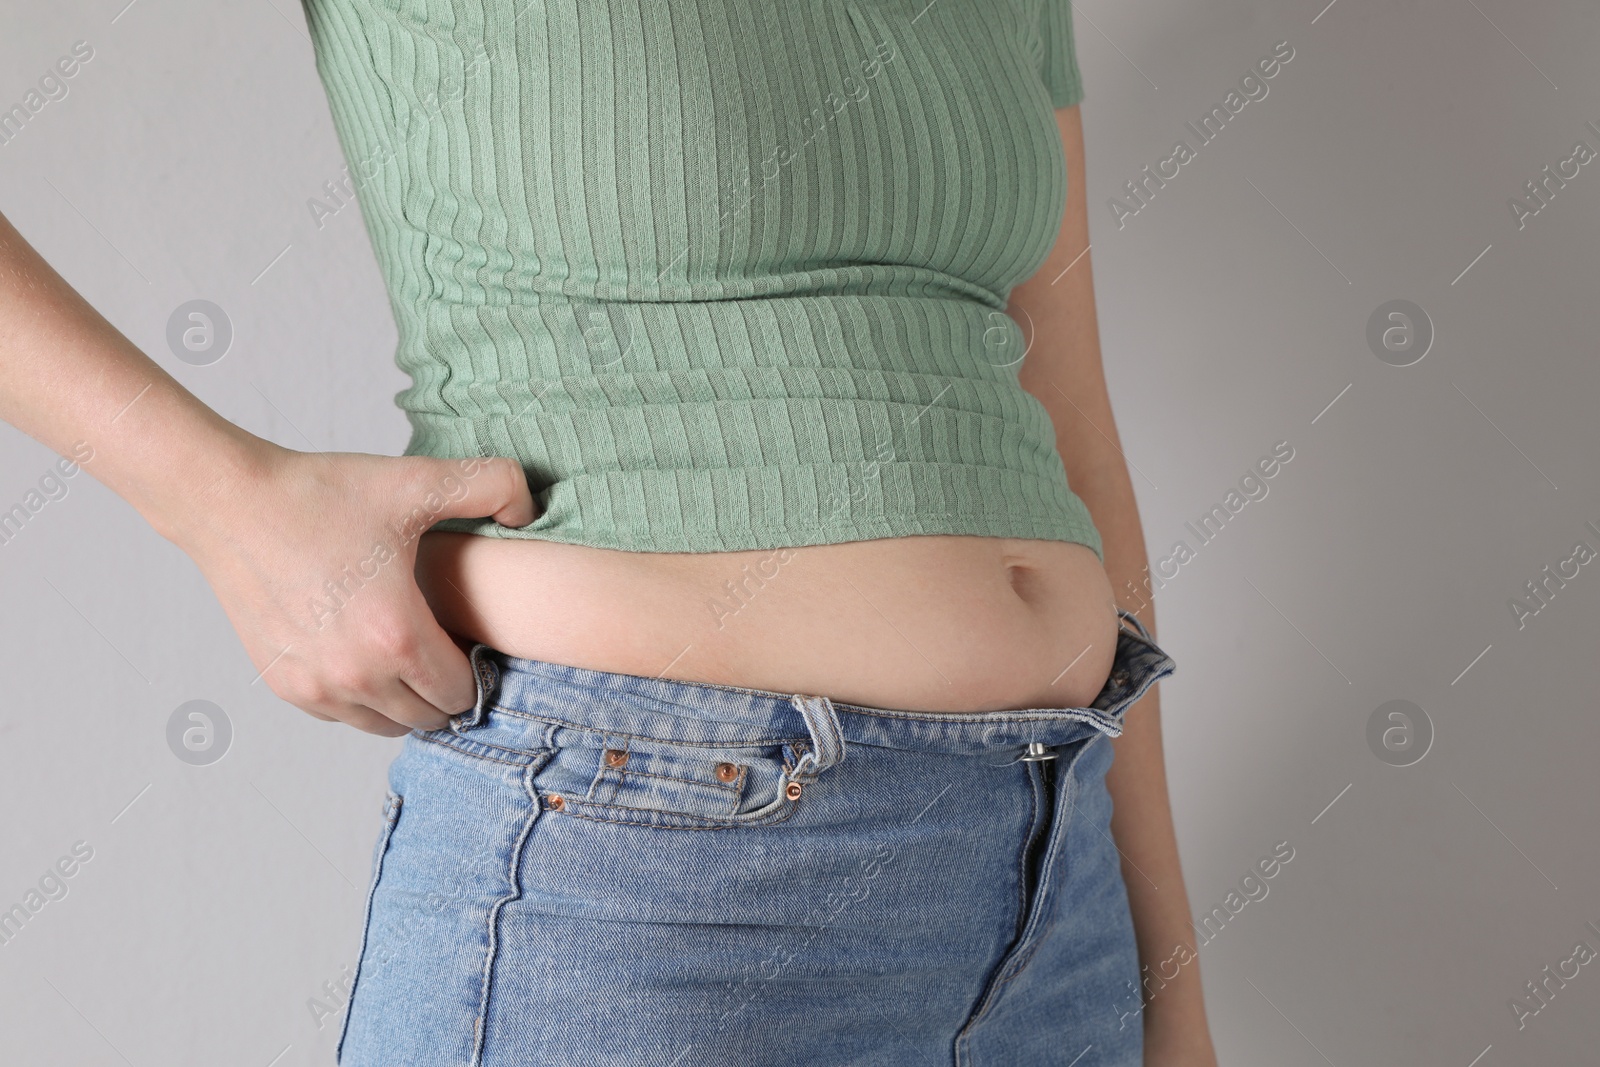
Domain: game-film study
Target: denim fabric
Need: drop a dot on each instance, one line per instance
(592, 868)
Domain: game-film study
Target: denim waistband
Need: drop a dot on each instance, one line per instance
(711, 713)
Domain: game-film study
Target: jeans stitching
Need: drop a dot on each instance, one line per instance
(1070, 788)
(514, 879)
(764, 821)
(460, 745)
(586, 728)
(991, 987)
(1012, 715)
(1014, 967)
(622, 775)
(664, 819)
(1092, 716)
(391, 818)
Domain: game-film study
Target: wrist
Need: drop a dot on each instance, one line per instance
(194, 501)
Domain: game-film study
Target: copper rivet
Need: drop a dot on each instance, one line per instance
(615, 757)
(727, 772)
(557, 802)
(792, 790)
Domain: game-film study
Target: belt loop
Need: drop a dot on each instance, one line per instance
(485, 674)
(827, 739)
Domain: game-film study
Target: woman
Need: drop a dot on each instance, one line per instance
(779, 732)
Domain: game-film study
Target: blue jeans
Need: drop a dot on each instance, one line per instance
(591, 868)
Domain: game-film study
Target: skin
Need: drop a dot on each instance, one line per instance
(262, 523)
(929, 623)
(1065, 372)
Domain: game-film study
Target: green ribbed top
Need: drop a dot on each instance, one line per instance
(721, 274)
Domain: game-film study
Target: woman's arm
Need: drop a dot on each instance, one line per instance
(275, 532)
(1063, 370)
(73, 382)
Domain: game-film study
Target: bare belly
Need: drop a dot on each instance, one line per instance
(929, 623)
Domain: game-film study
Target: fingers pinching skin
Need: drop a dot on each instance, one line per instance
(322, 586)
(497, 487)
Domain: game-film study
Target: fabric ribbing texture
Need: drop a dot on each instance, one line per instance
(721, 274)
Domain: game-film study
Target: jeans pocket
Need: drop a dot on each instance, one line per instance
(391, 818)
(609, 777)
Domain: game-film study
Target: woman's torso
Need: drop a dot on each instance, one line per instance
(936, 623)
(727, 276)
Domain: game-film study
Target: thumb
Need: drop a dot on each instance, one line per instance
(480, 486)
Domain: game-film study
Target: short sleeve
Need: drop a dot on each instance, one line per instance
(1059, 66)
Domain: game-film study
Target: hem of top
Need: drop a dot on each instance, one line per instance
(775, 538)
(1067, 98)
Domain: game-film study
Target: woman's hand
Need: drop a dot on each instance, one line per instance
(312, 557)
(311, 553)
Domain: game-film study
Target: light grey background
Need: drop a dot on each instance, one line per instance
(1233, 311)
